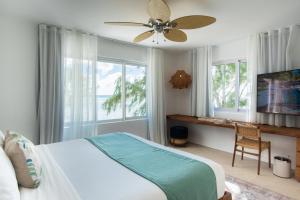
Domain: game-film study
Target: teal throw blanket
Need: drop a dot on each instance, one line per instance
(180, 177)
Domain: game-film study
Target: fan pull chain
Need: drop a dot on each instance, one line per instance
(153, 40)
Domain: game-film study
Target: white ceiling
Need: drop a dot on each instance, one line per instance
(236, 19)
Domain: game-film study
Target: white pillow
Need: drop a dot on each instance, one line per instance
(2, 137)
(8, 183)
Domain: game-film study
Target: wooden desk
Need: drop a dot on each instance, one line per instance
(285, 131)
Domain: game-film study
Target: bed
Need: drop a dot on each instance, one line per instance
(77, 170)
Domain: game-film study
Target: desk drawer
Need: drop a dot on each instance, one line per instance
(298, 144)
(298, 159)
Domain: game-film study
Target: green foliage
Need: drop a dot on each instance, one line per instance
(243, 85)
(224, 86)
(111, 104)
(135, 97)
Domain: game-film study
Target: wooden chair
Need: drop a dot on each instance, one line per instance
(248, 136)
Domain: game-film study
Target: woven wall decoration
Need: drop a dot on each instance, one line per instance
(181, 80)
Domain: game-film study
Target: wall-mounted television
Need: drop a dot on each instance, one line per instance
(279, 92)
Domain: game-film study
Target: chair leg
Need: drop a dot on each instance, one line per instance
(258, 167)
(233, 158)
(270, 155)
(242, 158)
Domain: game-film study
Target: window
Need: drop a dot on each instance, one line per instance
(135, 91)
(243, 86)
(109, 91)
(114, 90)
(229, 86)
(68, 90)
(121, 90)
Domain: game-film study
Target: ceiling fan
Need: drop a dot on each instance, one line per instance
(160, 22)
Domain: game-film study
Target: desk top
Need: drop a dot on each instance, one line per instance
(285, 131)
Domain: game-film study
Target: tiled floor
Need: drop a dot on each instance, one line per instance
(246, 170)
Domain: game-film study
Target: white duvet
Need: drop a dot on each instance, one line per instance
(77, 170)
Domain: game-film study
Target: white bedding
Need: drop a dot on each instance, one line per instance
(78, 170)
(54, 185)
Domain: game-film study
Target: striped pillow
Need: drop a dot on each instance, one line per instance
(21, 152)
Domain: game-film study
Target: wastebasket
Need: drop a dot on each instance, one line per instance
(282, 167)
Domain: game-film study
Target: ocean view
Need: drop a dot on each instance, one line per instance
(102, 114)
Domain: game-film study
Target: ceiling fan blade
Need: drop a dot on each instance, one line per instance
(125, 23)
(143, 36)
(193, 21)
(175, 35)
(159, 9)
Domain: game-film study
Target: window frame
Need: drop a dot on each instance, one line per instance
(123, 92)
(237, 63)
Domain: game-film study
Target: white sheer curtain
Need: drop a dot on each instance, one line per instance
(80, 60)
(201, 88)
(268, 52)
(156, 96)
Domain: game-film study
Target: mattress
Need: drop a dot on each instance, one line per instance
(77, 170)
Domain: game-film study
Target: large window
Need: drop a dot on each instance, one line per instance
(121, 90)
(229, 85)
(111, 90)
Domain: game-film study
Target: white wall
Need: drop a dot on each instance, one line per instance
(121, 50)
(179, 102)
(232, 50)
(18, 68)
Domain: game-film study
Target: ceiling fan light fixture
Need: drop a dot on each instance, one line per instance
(159, 22)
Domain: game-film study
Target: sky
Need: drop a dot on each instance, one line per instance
(108, 73)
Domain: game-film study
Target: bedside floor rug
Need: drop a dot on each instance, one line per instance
(243, 190)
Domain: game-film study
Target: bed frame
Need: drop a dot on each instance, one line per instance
(227, 196)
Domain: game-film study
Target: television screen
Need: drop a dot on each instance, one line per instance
(279, 92)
